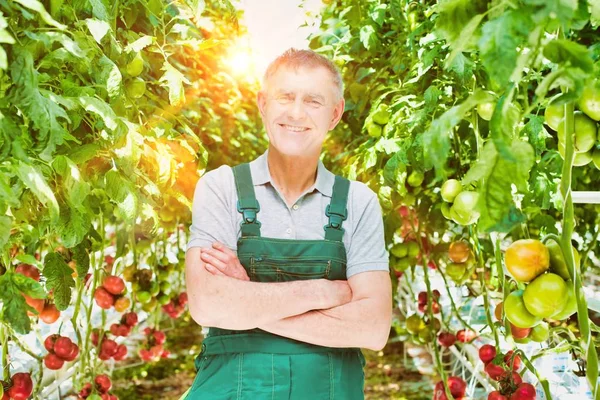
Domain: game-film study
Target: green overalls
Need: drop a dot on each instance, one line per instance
(255, 364)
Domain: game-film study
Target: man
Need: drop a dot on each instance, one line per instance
(286, 262)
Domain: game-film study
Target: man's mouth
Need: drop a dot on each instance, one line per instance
(292, 128)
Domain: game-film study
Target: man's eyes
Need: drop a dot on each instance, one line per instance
(288, 99)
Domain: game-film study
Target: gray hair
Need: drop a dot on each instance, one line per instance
(305, 58)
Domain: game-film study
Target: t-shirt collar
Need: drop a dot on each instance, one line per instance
(261, 175)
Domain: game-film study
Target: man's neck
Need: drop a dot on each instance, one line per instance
(292, 175)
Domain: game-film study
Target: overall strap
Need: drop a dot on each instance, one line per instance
(336, 210)
(247, 203)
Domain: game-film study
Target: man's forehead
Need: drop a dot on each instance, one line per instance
(294, 79)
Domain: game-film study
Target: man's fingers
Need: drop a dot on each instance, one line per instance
(213, 270)
(209, 259)
(221, 247)
(220, 255)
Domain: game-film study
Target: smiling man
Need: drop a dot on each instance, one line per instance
(286, 262)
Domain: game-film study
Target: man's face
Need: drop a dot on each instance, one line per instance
(298, 108)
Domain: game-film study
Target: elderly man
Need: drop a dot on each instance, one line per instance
(286, 262)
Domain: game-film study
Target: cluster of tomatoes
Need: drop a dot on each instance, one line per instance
(423, 299)
(447, 339)
(176, 306)
(459, 205)
(549, 292)
(123, 328)
(110, 294)
(456, 386)
(102, 385)
(151, 290)
(504, 368)
(19, 387)
(60, 349)
(46, 310)
(108, 347)
(404, 255)
(462, 262)
(152, 349)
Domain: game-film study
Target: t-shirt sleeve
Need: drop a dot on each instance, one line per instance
(211, 210)
(367, 250)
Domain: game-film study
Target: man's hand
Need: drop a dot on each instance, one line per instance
(220, 260)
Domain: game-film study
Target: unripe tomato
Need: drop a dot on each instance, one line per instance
(122, 304)
(49, 314)
(546, 295)
(114, 285)
(414, 324)
(450, 189)
(459, 251)
(516, 312)
(540, 332)
(399, 250)
(596, 158)
(381, 115)
(53, 362)
(135, 66)
(487, 352)
(585, 132)
(526, 259)
(103, 298)
(464, 210)
(498, 311)
(374, 130)
(486, 110)
(415, 178)
(571, 305)
(37, 304)
(589, 102)
(22, 386)
(580, 159)
(558, 265)
(456, 271)
(554, 115)
(136, 88)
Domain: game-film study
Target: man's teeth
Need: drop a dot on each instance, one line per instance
(294, 128)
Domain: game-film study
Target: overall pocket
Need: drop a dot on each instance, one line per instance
(267, 269)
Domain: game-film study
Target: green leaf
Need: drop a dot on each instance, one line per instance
(100, 108)
(564, 10)
(3, 59)
(39, 8)
(464, 39)
(595, 11)
(82, 154)
(454, 15)
(462, 66)
(536, 133)
(29, 259)
(58, 277)
(35, 181)
(394, 174)
(173, 80)
(110, 77)
(368, 37)
(48, 38)
(562, 51)
(499, 41)
(99, 10)
(121, 192)
(5, 227)
(140, 44)
(76, 189)
(378, 14)
(436, 140)
(74, 225)
(82, 257)
(28, 286)
(502, 126)
(14, 308)
(97, 28)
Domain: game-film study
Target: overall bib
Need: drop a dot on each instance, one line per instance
(254, 364)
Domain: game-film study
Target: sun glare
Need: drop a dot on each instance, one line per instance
(241, 61)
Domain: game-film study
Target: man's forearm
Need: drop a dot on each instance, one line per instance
(353, 324)
(228, 303)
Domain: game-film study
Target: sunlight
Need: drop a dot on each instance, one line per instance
(242, 61)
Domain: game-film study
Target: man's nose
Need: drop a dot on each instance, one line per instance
(297, 111)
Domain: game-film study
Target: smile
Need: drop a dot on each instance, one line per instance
(294, 128)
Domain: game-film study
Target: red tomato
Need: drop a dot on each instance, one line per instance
(487, 352)
(95, 336)
(519, 333)
(130, 319)
(29, 271)
(496, 395)
(494, 371)
(37, 304)
(63, 347)
(121, 352)
(465, 335)
(49, 342)
(446, 339)
(159, 337)
(183, 299)
(108, 347)
(114, 329)
(525, 391)
(103, 298)
(22, 386)
(114, 285)
(86, 390)
(74, 353)
(103, 383)
(457, 386)
(49, 314)
(54, 362)
(422, 298)
(516, 363)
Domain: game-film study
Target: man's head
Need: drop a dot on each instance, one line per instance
(301, 100)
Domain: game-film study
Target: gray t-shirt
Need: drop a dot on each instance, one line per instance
(215, 216)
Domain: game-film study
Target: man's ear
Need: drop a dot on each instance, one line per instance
(261, 100)
(338, 111)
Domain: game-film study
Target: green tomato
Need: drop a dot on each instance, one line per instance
(135, 66)
(151, 305)
(580, 159)
(400, 250)
(553, 116)
(401, 264)
(374, 130)
(382, 115)
(589, 102)
(154, 288)
(135, 88)
(426, 334)
(446, 210)
(415, 178)
(144, 297)
(450, 189)
(570, 307)
(596, 158)
(414, 324)
(456, 271)
(558, 264)
(540, 332)
(163, 299)
(545, 295)
(463, 211)
(517, 313)
(413, 249)
(585, 132)
(486, 110)
(165, 287)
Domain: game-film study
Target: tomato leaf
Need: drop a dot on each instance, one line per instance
(563, 10)
(35, 181)
(99, 10)
(5, 226)
(173, 80)
(463, 40)
(14, 308)
(82, 257)
(97, 28)
(536, 133)
(58, 277)
(562, 51)
(39, 8)
(368, 37)
(140, 44)
(502, 126)
(73, 226)
(100, 108)
(29, 286)
(121, 192)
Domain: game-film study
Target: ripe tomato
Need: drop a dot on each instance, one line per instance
(546, 295)
(558, 264)
(515, 361)
(122, 304)
(519, 333)
(459, 251)
(465, 335)
(182, 299)
(63, 347)
(159, 337)
(37, 304)
(103, 298)
(108, 347)
(446, 339)
(457, 386)
(29, 271)
(121, 353)
(74, 353)
(571, 305)
(487, 352)
(585, 132)
(589, 102)
(54, 362)
(450, 189)
(130, 319)
(525, 391)
(422, 298)
(526, 259)
(496, 395)
(49, 314)
(103, 383)
(114, 285)
(516, 312)
(494, 371)
(22, 386)
(498, 311)
(50, 341)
